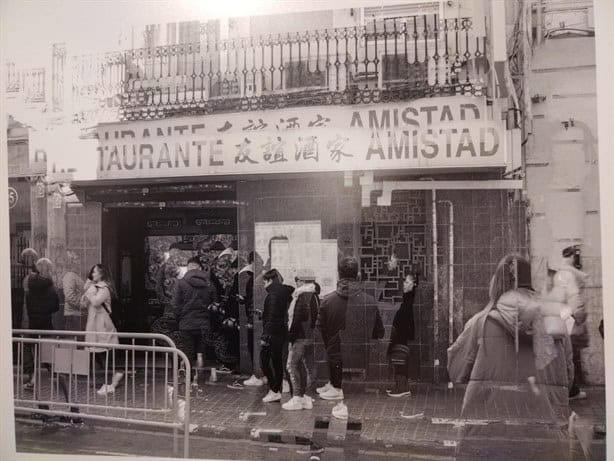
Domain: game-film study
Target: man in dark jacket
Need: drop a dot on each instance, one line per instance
(193, 293)
(350, 296)
(274, 332)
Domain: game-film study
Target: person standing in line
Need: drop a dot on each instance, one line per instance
(42, 302)
(72, 284)
(100, 327)
(302, 308)
(274, 332)
(193, 293)
(246, 297)
(402, 333)
(350, 296)
(568, 282)
(28, 257)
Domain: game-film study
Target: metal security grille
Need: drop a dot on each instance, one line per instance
(398, 230)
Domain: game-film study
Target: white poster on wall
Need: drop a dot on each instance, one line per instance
(292, 246)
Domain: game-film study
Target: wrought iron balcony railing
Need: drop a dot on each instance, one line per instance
(393, 59)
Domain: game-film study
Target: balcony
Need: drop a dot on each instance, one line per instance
(385, 60)
(28, 84)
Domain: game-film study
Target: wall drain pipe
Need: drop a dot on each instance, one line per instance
(450, 272)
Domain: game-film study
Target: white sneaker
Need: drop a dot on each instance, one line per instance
(307, 402)
(285, 388)
(272, 397)
(295, 403)
(579, 396)
(106, 389)
(340, 411)
(332, 394)
(253, 381)
(324, 388)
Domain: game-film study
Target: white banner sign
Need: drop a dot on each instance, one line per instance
(436, 133)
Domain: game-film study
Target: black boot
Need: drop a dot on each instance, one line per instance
(401, 387)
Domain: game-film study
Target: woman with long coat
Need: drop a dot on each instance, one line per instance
(402, 333)
(99, 327)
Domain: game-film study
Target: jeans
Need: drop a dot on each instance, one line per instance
(297, 367)
(335, 362)
(75, 323)
(271, 360)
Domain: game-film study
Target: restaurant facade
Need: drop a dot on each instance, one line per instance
(394, 140)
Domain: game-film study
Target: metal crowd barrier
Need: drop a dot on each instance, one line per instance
(68, 374)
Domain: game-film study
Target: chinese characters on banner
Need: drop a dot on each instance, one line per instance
(446, 132)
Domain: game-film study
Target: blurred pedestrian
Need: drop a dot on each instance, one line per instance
(402, 333)
(568, 283)
(303, 308)
(274, 332)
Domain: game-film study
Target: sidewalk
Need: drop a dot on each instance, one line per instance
(425, 422)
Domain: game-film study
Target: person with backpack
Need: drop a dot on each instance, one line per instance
(100, 327)
(193, 294)
(303, 308)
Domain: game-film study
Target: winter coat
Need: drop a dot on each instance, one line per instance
(193, 294)
(568, 283)
(485, 357)
(275, 311)
(72, 286)
(42, 302)
(403, 322)
(303, 308)
(99, 327)
(364, 319)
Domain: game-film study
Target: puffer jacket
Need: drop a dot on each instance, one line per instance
(193, 293)
(42, 302)
(350, 296)
(275, 311)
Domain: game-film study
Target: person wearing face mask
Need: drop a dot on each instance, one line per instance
(402, 333)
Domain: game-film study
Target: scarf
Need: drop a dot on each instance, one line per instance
(307, 288)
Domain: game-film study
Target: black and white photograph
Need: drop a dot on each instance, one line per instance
(293, 230)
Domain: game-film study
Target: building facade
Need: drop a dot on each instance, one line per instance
(389, 134)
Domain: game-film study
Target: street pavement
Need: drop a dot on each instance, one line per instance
(424, 424)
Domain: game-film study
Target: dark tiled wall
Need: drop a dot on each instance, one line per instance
(487, 225)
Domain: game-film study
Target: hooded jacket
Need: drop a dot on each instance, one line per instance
(364, 314)
(275, 311)
(302, 309)
(193, 294)
(42, 301)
